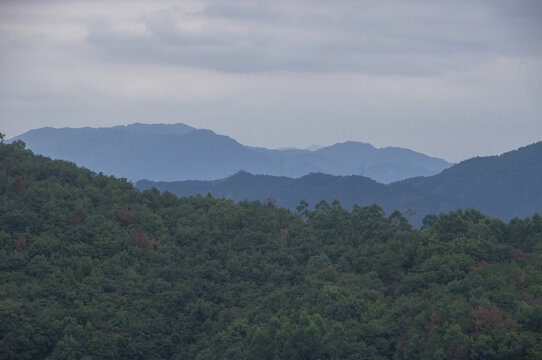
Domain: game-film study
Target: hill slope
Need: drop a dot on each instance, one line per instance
(180, 152)
(312, 188)
(91, 268)
(504, 186)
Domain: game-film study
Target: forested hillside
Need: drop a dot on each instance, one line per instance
(92, 268)
(288, 192)
(504, 186)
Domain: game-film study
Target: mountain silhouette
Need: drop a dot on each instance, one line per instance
(164, 152)
(504, 186)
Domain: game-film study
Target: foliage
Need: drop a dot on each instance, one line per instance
(92, 268)
(504, 186)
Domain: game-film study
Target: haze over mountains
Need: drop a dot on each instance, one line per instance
(170, 157)
(175, 152)
(91, 268)
(504, 186)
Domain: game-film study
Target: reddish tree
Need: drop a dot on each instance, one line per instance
(20, 243)
(515, 254)
(481, 265)
(495, 245)
(434, 320)
(509, 322)
(483, 316)
(284, 235)
(20, 182)
(141, 240)
(75, 219)
(125, 216)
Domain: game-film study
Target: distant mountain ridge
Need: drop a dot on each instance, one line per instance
(169, 152)
(504, 186)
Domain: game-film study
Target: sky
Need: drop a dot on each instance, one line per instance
(453, 79)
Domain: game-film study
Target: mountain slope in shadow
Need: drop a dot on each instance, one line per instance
(504, 186)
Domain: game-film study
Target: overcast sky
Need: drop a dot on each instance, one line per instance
(453, 79)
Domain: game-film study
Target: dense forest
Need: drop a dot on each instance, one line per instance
(92, 268)
(504, 186)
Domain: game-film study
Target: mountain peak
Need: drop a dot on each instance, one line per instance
(169, 152)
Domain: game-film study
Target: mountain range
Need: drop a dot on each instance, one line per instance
(91, 268)
(505, 186)
(171, 152)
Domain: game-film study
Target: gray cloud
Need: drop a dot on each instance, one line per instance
(249, 11)
(424, 74)
(392, 37)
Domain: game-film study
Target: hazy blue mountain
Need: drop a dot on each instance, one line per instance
(287, 191)
(389, 164)
(312, 188)
(180, 152)
(504, 186)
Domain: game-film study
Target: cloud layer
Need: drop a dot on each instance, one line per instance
(422, 74)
